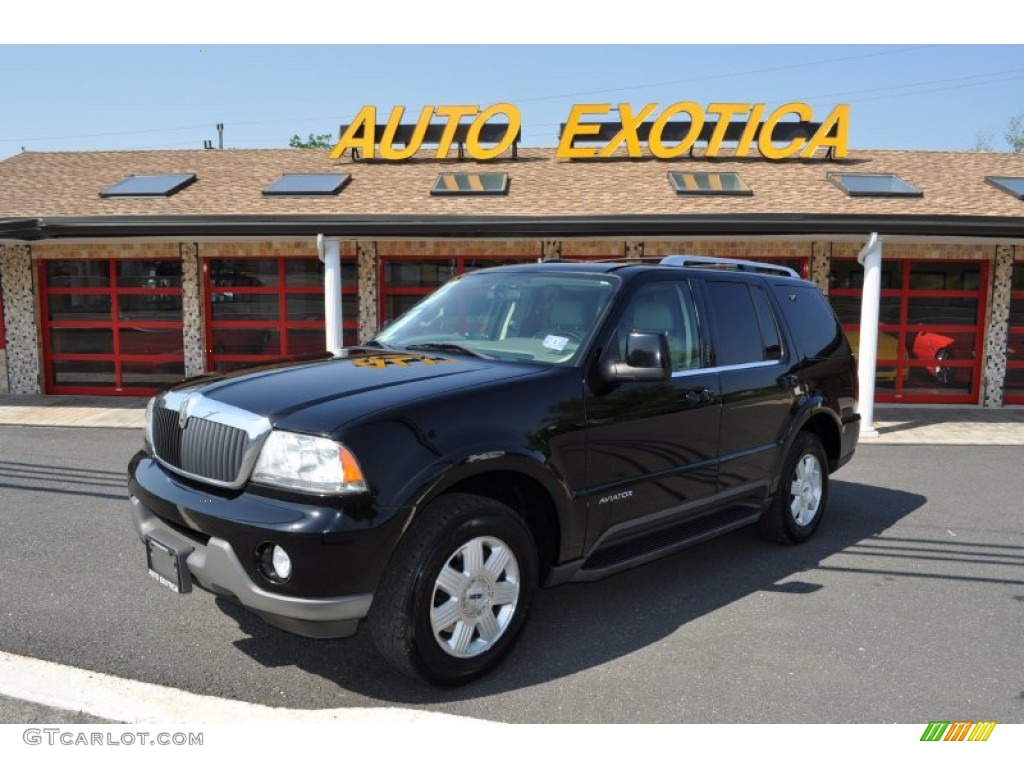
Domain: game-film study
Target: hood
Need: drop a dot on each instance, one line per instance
(320, 395)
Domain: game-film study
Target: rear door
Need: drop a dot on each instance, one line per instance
(753, 363)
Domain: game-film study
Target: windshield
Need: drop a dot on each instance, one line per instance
(537, 316)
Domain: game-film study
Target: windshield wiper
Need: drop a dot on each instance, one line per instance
(455, 349)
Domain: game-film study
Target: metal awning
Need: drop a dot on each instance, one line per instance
(456, 226)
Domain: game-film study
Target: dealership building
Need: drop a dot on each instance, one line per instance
(121, 272)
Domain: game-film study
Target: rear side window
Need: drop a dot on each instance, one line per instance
(769, 326)
(810, 319)
(743, 323)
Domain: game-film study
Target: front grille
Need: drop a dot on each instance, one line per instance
(167, 435)
(205, 449)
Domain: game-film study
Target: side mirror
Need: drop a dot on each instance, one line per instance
(647, 359)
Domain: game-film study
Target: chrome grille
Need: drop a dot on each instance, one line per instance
(218, 443)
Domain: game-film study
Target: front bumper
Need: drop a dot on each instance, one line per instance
(215, 567)
(338, 550)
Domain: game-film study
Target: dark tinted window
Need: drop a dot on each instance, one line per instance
(769, 327)
(810, 319)
(735, 324)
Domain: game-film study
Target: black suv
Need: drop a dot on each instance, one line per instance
(523, 425)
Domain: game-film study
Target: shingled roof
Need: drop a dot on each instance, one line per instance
(56, 186)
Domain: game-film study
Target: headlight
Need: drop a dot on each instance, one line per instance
(149, 423)
(307, 463)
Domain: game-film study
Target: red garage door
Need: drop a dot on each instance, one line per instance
(258, 310)
(931, 327)
(111, 326)
(1014, 391)
(404, 281)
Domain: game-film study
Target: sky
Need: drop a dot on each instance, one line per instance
(924, 94)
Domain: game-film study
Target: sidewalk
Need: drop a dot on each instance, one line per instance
(72, 411)
(896, 425)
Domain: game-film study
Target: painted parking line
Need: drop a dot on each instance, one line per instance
(130, 701)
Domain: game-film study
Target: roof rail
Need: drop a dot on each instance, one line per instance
(713, 262)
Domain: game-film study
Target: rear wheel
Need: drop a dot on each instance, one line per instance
(457, 592)
(799, 503)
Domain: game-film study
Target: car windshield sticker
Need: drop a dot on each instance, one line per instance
(556, 343)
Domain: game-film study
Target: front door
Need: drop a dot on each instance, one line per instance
(653, 445)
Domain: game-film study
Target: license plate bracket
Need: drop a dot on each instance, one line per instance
(167, 565)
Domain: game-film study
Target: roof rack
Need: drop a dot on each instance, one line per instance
(713, 262)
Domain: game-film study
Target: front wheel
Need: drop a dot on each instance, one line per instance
(799, 502)
(457, 592)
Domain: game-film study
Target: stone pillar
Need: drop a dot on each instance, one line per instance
(994, 373)
(22, 331)
(634, 249)
(368, 266)
(821, 265)
(192, 315)
(3, 349)
(550, 249)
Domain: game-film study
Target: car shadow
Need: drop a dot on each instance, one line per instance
(580, 626)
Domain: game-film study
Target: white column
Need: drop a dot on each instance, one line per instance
(330, 255)
(870, 257)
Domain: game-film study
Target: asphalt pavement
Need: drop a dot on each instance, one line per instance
(906, 607)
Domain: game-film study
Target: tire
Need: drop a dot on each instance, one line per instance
(457, 591)
(800, 500)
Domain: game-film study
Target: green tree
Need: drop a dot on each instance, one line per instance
(984, 141)
(315, 141)
(1015, 133)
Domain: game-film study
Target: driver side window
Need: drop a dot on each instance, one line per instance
(668, 308)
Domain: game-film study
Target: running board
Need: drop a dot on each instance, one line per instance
(650, 546)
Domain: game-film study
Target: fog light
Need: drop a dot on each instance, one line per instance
(275, 563)
(281, 562)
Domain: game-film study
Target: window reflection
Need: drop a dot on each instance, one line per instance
(79, 306)
(418, 274)
(147, 273)
(243, 273)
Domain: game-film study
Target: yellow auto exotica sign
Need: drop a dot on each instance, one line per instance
(584, 125)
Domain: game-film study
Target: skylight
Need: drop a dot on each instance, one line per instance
(874, 185)
(307, 184)
(703, 183)
(467, 183)
(163, 185)
(1014, 185)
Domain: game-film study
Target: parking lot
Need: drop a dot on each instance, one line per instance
(907, 606)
